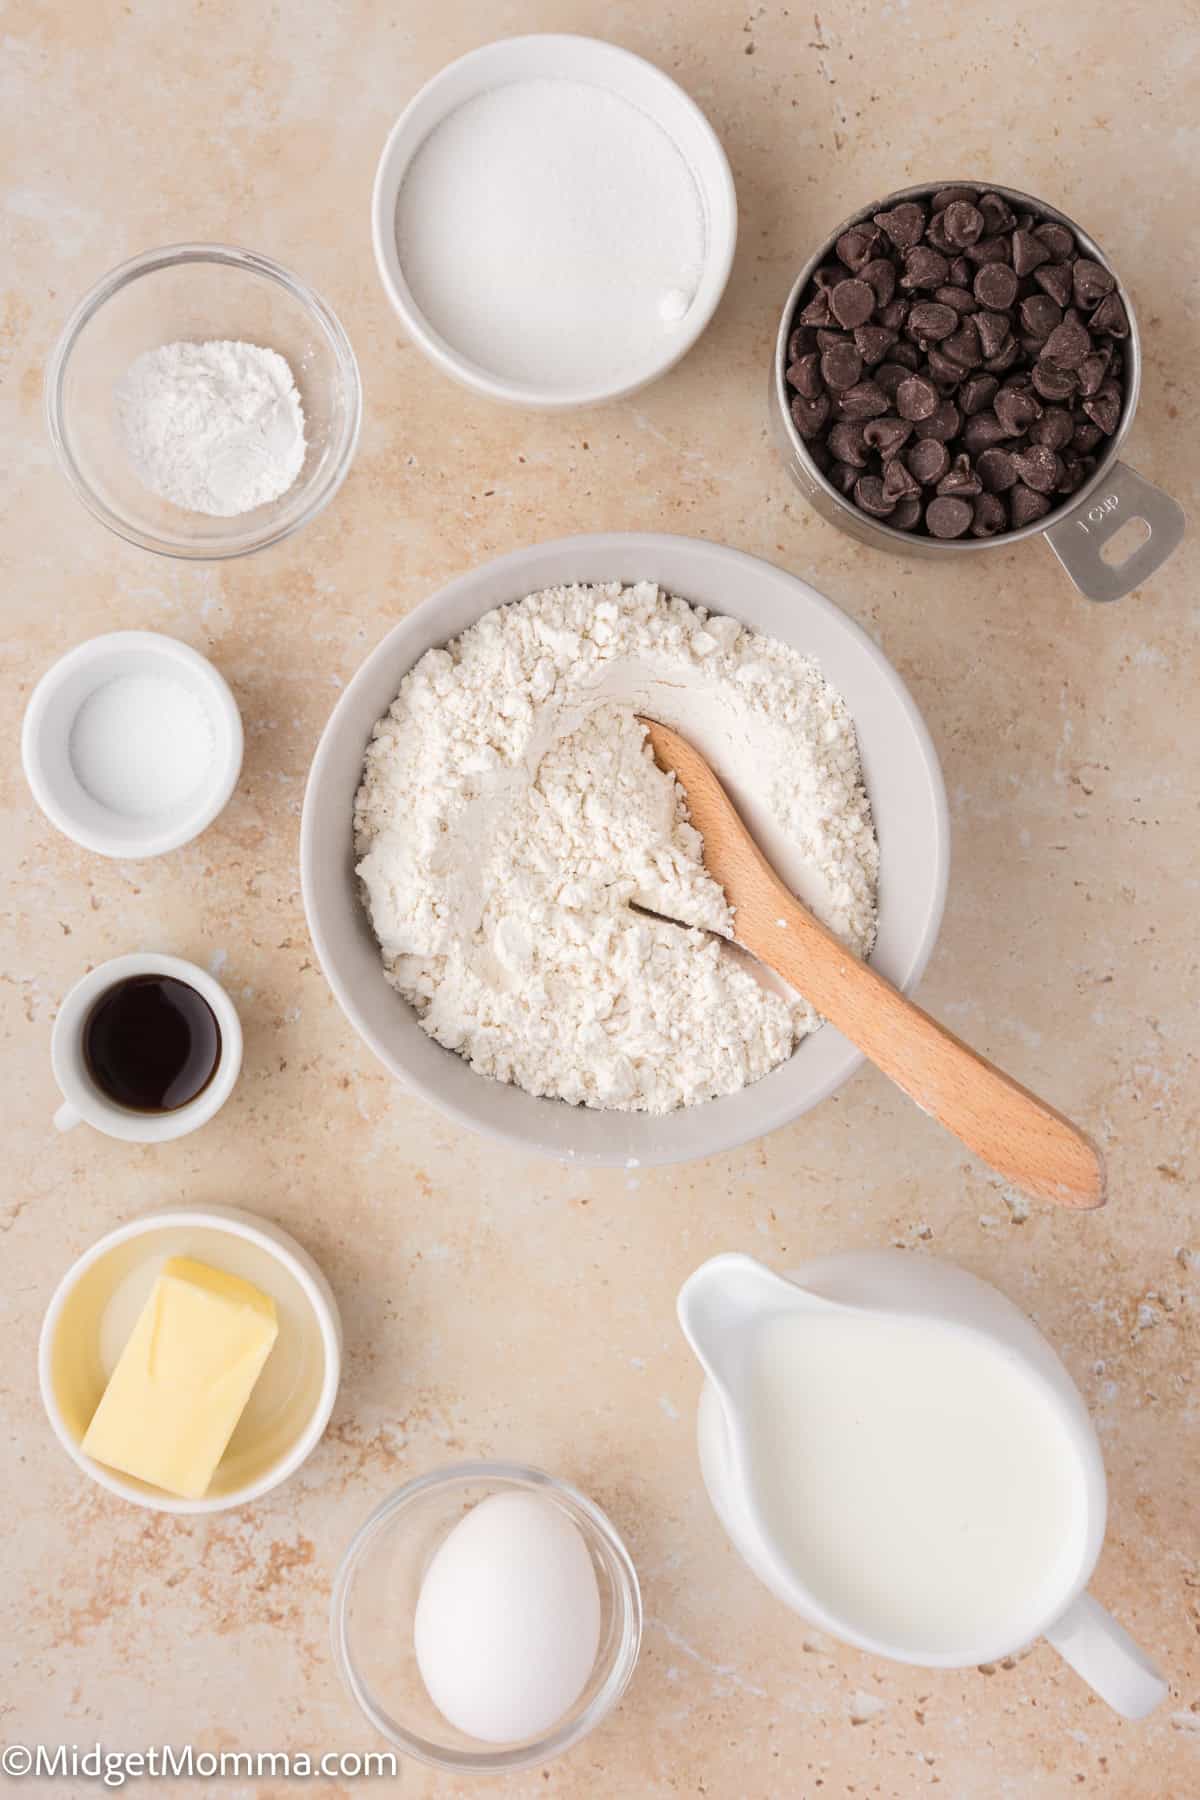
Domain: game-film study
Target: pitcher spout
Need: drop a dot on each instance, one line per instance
(718, 1305)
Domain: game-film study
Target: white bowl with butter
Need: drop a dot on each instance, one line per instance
(94, 1310)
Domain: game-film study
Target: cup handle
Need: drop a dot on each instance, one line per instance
(1103, 1652)
(1078, 540)
(66, 1117)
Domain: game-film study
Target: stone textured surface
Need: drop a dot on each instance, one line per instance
(497, 1306)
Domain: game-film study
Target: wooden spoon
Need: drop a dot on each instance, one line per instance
(1026, 1141)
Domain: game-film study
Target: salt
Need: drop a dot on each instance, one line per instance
(141, 744)
(553, 234)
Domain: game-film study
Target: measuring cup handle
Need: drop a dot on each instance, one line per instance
(1108, 1659)
(1078, 540)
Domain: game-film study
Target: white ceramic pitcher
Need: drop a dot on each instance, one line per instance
(719, 1307)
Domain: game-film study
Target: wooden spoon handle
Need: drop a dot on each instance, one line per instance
(1022, 1137)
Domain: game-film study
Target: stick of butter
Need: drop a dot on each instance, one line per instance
(183, 1378)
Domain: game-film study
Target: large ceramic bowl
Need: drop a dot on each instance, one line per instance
(902, 776)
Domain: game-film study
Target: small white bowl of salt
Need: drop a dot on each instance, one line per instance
(132, 744)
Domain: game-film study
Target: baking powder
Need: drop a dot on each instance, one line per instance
(511, 810)
(553, 233)
(217, 428)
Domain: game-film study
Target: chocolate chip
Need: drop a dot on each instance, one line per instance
(976, 392)
(1055, 428)
(805, 375)
(817, 311)
(809, 416)
(898, 484)
(1104, 408)
(857, 246)
(904, 224)
(1092, 371)
(1085, 436)
(828, 275)
(869, 494)
(1053, 383)
(927, 461)
(852, 302)
(873, 343)
(981, 432)
(1069, 343)
(1109, 318)
(865, 400)
(844, 475)
(1054, 279)
(995, 288)
(880, 276)
(942, 370)
(1016, 407)
(894, 314)
(916, 398)
(1090, 282)
(962, 272)
(964, 223)
(828, 336)
(888, 435)
(841, 367)
(1039, 468)
(1028, 252)
(948, 517)
(1005, 357)
(928, 322)
(906, 515)
(990, 516)
(1057, 239)
(1040, 315)
(989, 250)
(1025, 506)
(993, 331)
(801, 342)
(924, 268)
(961, 478)
(1075, 471)
(848, 443)
(963, 346)
(960, 298)
(888, 376)
(998, 215)
(997, 470)
(935, 235)
(948, 195)
(943, 423)
(907, 353)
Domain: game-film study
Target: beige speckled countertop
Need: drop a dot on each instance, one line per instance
(503, 1307)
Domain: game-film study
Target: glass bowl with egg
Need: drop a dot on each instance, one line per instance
(486, 1617)
(196, 294)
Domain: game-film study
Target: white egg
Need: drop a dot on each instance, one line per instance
(507, 1624)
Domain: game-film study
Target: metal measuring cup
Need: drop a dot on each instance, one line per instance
(1076, 531)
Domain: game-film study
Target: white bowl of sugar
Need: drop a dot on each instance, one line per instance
(132, 744)
(554, 221)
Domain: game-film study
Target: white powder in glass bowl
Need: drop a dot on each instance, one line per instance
(511, 809)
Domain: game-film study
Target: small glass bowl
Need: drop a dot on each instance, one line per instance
(197, 292)
(375, 1598)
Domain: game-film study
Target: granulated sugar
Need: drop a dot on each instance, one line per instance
(511, 809)
(552, 233)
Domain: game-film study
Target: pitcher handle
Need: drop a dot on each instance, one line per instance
(1078, 540)
(1103, 1652)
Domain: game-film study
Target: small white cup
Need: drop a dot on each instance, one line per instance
(53, 708)
(84, 1102)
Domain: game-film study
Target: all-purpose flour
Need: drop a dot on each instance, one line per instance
(217, 428)
(510, 810)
